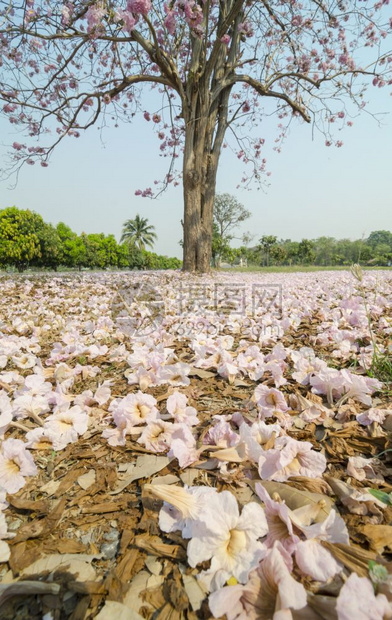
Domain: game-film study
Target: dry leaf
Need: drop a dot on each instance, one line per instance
(113, 609)
(202, 374)
(77, 564)
(195, 591)
(87, 480)
(155, 546)
(26, 588)
(132, 598)
(351, 556)
(146, 465)
(379, 536)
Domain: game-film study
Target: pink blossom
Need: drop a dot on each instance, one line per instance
(316, 561)
(229, 540)
(280, 526)
(364, 469)
(183, 446)
(177, 406)
(357, 600)
(140, 408)
(256, 435)
(170, 22)
(291, 458)
(184, 508)
(270, 398)
(139, 7)
(15, 463)
(157, 435)
(373, 415)
(221, 435)
(225, 39)
(270, 592)
(68, 424)
(45, 439)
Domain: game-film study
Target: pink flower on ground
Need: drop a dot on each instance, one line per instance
(229, 539)
(15, 463)
(183, 446)
(69, 424)
(357, 600)
(316, 561)
(45, 439)
(291, 458)
(221, 435)
(117, 436)
(373, 415)
(177, 406)
(157, 436)
(183, 508)
(256, 436)
(270, 398)
(175, 374)
(140, 408)
(280, 526)
(364, 469)
(5, 412)
(269, 594)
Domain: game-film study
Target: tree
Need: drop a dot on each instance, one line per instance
(19, 239)
(267, 242)
(220, 246)
(73, 250)
(306, 251)
(228, 213)
(379, 237)
(216, 64)
(138, 233)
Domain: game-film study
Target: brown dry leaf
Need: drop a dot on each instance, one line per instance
(78, 565)
(202, 374)
(87, 480)
(323, 606)
(314, 485)
(38, 528)
(26, 588)
(195, 591)
(146, 466)
(295, 498)
(379, 536)
(155, 546)
(114, 609)
(39, 507)
(50, 487)
(352, 557)
(139, 584)
(356, 501)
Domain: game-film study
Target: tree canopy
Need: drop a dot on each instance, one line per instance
(214, 64)
(27, 241)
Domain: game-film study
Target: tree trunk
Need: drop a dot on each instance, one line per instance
(199, 178)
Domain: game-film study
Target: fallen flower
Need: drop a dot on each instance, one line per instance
(268, 595)
(357, 600)
(291, 458)
(15, 463)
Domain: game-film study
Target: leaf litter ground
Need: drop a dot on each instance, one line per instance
(83, 535)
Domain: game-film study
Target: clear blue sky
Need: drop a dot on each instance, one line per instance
(314, 190)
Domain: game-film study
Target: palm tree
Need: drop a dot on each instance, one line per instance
(138, 233)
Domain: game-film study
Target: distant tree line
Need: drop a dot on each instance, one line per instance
(376, 250)
(270, 251)
(26, 240)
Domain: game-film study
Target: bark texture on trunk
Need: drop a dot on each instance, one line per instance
(205, 111)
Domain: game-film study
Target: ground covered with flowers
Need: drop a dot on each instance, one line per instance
(178, 446)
